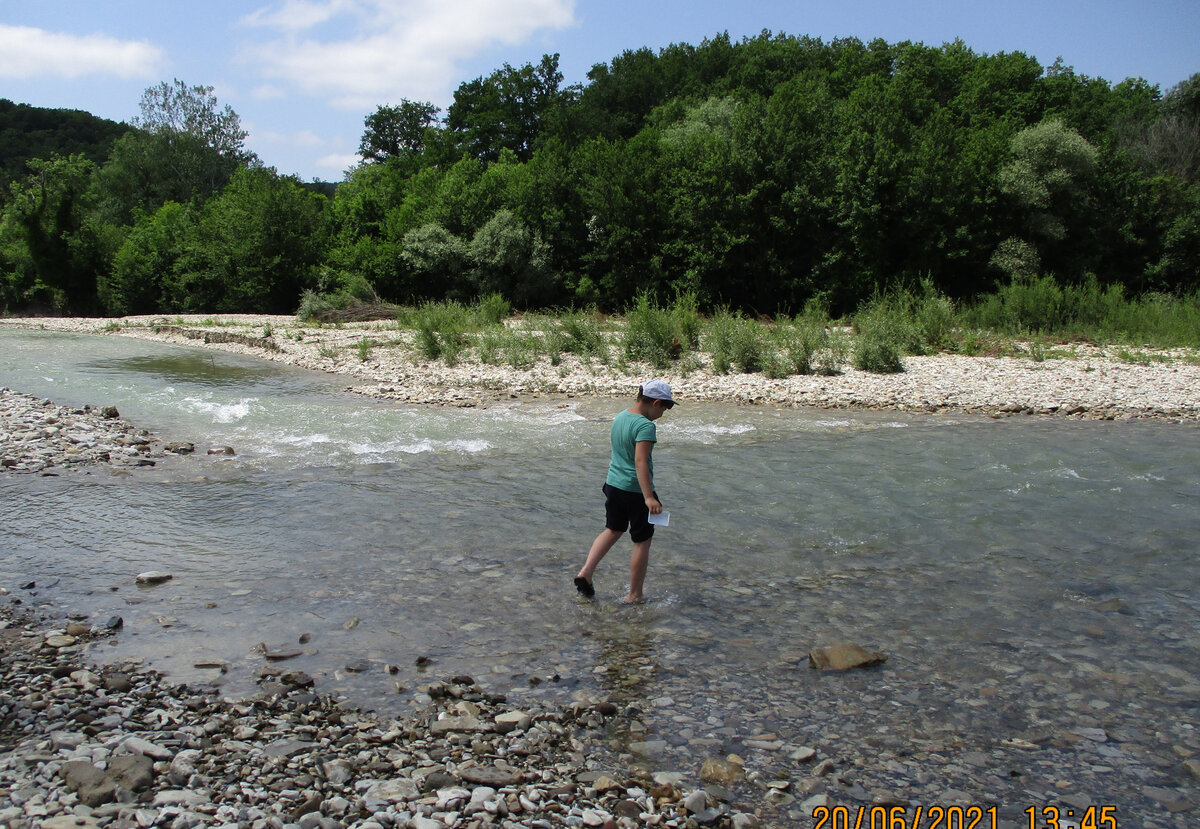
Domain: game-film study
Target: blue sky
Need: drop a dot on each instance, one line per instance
(303, 74)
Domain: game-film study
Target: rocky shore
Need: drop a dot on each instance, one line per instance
(119, 746)
(38, 436)
(378, 360)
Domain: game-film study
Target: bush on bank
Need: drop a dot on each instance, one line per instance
(876, 338)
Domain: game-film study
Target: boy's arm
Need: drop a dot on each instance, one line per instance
(641, 462)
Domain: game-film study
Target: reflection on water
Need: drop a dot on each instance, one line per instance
(193, 368)
(1020, 574)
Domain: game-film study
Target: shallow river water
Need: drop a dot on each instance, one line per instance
(1034, 583)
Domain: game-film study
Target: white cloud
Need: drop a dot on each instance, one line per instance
(26, 52)
(339, 163)
(267, 92)
(293, 15)
(308, 138)
(381, 50)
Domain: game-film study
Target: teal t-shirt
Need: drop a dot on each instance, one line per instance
(629, 429)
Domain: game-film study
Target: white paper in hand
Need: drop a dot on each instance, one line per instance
(661, 520)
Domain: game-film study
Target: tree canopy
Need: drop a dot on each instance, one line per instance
(757, 175)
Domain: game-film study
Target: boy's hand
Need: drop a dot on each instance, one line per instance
(653, 505)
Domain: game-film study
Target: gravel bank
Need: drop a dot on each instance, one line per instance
(38, 436)
(1087, 382)
(120, 746)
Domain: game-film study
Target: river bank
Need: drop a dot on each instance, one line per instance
(378, 360)
(1077, 693)
(119, 745)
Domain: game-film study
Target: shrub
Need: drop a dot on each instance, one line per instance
(736, 342)
(933, 318)
(579, 333)
(441, 329)
(881, 333)
(651, 333)
(492, 309)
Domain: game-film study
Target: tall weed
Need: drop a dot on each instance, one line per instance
(882, 334)
(738, 343)
(661, 335)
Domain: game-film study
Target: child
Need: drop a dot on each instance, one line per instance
(629, 493)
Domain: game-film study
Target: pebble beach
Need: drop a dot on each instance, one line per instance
(1081, 381)
(122, 746)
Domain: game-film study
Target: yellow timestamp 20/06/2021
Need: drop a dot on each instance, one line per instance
(958, 817)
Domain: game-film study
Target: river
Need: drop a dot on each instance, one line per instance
(1034, 583)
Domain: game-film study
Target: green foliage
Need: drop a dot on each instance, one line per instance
(1088, 311)
(508, 259)
(28, 133)
(435, 256)
(397, 132)
(147, 258)
(51, 245)
(807, 345)
(882, 335)
(186, 147)
(1051, 166)
(441, 329)
(507, 110)
(255, 248)
(660, 335)
(751, 175)
(737, 343)
(492, 309)
(576, 332)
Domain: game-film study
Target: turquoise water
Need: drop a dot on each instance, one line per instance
(1022, 561)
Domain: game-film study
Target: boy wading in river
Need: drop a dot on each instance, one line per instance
(629, 493)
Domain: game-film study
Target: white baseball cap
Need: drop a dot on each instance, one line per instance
(657, 389)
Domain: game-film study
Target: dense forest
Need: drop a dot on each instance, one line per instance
(34, 132)
(755, 175)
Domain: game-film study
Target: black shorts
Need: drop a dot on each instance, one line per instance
(624, 510)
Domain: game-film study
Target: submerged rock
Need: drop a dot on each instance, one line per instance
(151, 577)
(843, 657)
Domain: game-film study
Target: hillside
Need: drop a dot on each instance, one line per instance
(37, 132)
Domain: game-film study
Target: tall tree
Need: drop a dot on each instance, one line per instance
(397, 131)
(50, 247)
(506, 110)
(186, 146)
(256, 248)
(1051, 165)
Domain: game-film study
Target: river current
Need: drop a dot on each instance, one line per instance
(1027, 578)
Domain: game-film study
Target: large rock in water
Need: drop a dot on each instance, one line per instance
(844, 657)
(153, 577)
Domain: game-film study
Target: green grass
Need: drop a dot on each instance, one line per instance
(1087, 312)
(1031, 319)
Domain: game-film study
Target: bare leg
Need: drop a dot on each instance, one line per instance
(637, 571)
(600, 547)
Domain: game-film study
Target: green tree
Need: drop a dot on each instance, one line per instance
(146, 261)
(256, 248)
(1052, 164)
(52, 246)
(711, 177)
(509, 259)
(506, 110)
(397, 132)
(622, 220)
(185, 147)
(439, 261)
(29, 132)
